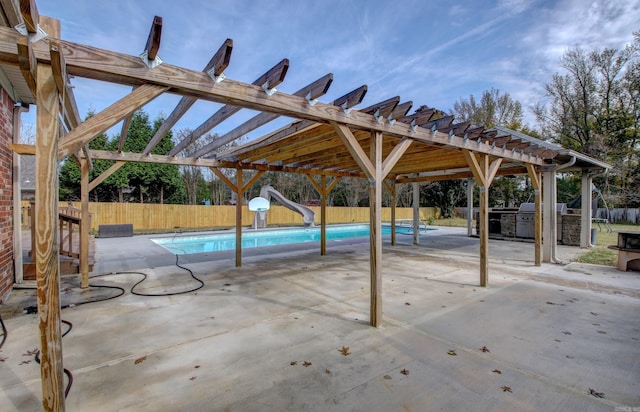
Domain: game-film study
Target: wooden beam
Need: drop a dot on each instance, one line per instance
(319, 188)
(312, 91)
(395, 155)
(400, 111)
(47, 242)
(272, 78)
(352, 98)
(484, 221)
(153, 41)
(221, 59)
(375, 230)
(252, 180)
(476, 169)
(190, 161)
(10, 12)
(493, 169)
(104, 175)
(27, 62)
(101, 122)
(125, 130)
(225, 179)
(383, 108)
(218, 63)
(23, 149)
(354, 148)
(30, 15)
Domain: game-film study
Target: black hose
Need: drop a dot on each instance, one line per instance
(33, 309)
(4, 332)
(144, 277)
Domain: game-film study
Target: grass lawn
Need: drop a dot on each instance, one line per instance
(600, 254)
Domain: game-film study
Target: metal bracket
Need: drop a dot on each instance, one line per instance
(536, 191)
(391, 120)
(312, 102)
(345, 109)
(267, 90)
(379, 118)
(413, 125)
(33, 37)
(150, 63)
(216, 79)
(451, 134)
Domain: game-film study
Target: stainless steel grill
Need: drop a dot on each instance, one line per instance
(525, 220)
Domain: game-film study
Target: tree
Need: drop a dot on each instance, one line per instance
(594, 107)
(494, 109)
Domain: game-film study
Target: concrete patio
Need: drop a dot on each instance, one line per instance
(289, 331)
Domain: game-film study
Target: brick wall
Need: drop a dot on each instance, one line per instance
(6, 195)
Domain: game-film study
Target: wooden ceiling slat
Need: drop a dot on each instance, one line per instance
(352, 98)
(272, 77)
(30, 15)
(313, 90)
(153, 41)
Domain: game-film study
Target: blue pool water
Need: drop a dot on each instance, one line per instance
(184, 244)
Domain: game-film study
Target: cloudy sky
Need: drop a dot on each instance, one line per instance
(431, 52)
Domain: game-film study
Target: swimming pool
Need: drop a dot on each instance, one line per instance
(215, 242)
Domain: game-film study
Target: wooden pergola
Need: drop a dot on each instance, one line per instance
(326, 141)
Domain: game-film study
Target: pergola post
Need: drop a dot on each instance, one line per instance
(549, 228)
(375, 208)
(323, 215)
(17, 199)
(392, 189)
(47, 242)
(239, 194)
(483, 172)
(536, 182)
(415, 189)
(84, 222)
(469, 206)
(585, 216)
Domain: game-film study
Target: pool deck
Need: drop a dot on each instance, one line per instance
(289, 331)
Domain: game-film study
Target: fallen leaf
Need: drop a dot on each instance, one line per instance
(404, 372)
(33, 352)
(603, 332)
(192, 378)
(566, 332)
(506, 389)
(327, 371)
(551, 303)
(387, 376)
(293, 363)
(197, 366)
(593, 313)
(407, 303)
(344, 351)
(140, 360)
(25, 362)
(592, 392)
(2, 359)
(498, 371)
(452, 352)
(485, 349)
(306, 364)
(451, 293)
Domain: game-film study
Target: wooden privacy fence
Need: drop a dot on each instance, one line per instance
(148, 216)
